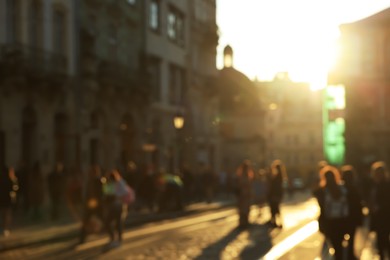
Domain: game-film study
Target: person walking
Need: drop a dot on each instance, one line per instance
(56, 185)
(36, 192)
(379, 207)
(245, 176)
(355, 218)
(93, 208)
(8, 189)
(275, 192)
(332, 198)
(115, 207)
(260, 187)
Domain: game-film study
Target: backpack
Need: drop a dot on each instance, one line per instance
(125, 192)
(336, 208)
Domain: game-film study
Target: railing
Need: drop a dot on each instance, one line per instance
(33, 59)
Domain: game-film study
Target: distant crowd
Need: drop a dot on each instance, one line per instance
(101, 199)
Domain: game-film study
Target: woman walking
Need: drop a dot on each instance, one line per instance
(115, 207)
(379, 206)
(332, 198)
(275, 191)
(348, 176)
(245, 177)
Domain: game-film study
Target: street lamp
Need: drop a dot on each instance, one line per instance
(178, 122)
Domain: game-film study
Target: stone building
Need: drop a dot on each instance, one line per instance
(364, 70)
(103, 84)
(202, 135)
(292, 125)
(37, 82)
(179, 52)
(113, 94)
(241, 117)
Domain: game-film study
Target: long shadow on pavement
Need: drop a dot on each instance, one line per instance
(260, 242)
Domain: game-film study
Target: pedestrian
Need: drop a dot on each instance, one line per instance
(24, 177)
(36, 192)
(73, 193)
(379, 207)
(275, 192)
(208, 182)
(260, 189)
(171, 192)
(188, 184)
(115, 207)
(332, 198)
(348, 175)
(146, 191)
(56, 185)
(244, 193)
(8, 189)
(93, 208)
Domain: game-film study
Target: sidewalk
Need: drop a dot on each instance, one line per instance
(32, 234)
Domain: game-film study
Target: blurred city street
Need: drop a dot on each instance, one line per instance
(209, 232)
(194, 129)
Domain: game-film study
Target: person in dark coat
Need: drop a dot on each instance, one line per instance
(8, 189)
(348, 175)
(36, 192)
(93, 200)
(275, 191)
(56, 186)
(332, 198)
(146, 191)
(379, 206)
(245, 177)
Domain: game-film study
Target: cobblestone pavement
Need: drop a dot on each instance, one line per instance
(204, 236)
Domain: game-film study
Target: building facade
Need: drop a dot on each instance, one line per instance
(364, 70)
(179, 51)
(240, 119)
(38, 71)
(113, 94)
(293, 125)
(102, 85)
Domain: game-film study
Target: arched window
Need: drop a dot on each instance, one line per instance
(61, 125)
(29, 136)
(59, 30)
(13, 21)
(35, 24)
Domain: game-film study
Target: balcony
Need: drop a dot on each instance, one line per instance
(18, 60)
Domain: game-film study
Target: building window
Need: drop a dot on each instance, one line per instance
(368, 55)
(176, 84)
(13, 21)
(36, 25)
(59, 32)
(154, 15)
(154, 77)
(175, 26)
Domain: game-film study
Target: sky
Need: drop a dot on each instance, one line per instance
(294, 36)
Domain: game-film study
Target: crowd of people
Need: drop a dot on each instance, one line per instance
(95, 202)
(260, 188)
(341, 200)
(342, 196)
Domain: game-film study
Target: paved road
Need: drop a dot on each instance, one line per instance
(211, 235)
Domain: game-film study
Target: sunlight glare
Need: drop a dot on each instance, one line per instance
(290, 242)
(301, 38)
